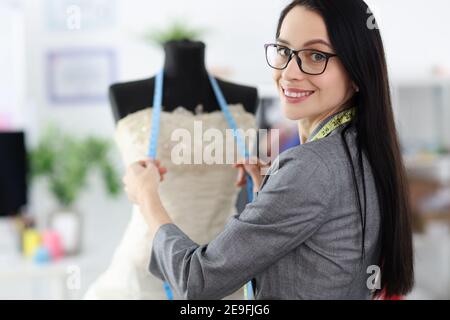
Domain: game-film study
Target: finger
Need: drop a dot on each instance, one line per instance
(142, 163)
(153, 161)
(254, 161)
(136, 168)
(264, 163)
(241, 179)
(239, 164)
(162, 171)
(240, 174)
(242, 182)
(149, 161)
(253, 171)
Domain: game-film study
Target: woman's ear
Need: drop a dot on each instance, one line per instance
(355, 87)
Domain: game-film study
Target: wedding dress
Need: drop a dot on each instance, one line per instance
(198, 197)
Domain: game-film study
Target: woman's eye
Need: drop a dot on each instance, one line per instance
(317, 57)
(283, 51)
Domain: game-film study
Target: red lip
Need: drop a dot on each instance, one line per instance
(296, 89)
(293, 100)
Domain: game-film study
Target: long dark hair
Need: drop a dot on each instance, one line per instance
(357, 41)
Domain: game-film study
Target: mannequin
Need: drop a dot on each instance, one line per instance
(200, 198)
(185, 84)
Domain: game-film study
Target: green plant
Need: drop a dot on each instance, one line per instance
(177, 31)
(66, 162)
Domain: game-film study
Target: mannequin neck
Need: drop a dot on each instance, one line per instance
(185, 59)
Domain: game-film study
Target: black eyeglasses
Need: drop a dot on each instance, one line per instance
(310, 61)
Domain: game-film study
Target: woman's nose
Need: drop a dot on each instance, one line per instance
(293, 71)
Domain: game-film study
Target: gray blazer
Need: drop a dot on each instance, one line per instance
(299, 239)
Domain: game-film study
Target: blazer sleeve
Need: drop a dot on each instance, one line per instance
(288, 209)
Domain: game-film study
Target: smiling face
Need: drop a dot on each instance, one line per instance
(325, 93)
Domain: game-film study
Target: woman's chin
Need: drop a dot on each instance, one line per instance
(293, 112)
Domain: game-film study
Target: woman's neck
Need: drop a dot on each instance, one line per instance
(307, 125)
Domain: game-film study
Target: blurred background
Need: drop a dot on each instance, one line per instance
(58, 231)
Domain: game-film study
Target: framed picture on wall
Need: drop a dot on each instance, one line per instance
(80, 76)
(81, 15)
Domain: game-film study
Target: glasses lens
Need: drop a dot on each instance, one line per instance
(277, 56)
(313, 62)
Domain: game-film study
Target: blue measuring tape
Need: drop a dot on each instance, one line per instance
(154, 136)
(156, 114)
(232, 124)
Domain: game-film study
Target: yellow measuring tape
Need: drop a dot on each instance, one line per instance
(337, 121)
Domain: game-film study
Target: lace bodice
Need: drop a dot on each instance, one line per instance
(198, 197)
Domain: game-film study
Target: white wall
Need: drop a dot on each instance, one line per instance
(415, 34)
(12, 64)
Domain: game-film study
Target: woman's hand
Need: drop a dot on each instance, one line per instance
(141, 185)
(142, 180)
(253, 167)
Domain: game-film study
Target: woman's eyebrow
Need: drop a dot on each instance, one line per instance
(283, 41)
(308, 43)
(317, 41)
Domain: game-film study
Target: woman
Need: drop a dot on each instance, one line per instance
(337, 207)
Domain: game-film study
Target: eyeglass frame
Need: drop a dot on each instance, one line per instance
(298, 59)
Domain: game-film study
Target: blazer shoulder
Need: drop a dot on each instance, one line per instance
(299, 161)
(302, 154)
(325, 150)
